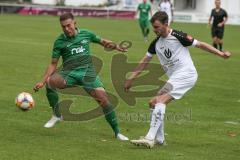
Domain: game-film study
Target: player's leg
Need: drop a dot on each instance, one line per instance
(142, 26)
(146, 29)
(160, 137)
(158, 104)
(55, 81)
(175, 88)
(100, 96)
(220, 39)
(214, 38)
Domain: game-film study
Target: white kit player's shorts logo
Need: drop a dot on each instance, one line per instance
(168, 53)
(78, 50)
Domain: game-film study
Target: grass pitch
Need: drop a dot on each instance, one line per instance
(205, 124)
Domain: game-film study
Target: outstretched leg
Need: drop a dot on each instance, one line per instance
(100, 96)
(54, 81)
(158, 105)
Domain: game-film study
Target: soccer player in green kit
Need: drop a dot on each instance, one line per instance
(73, 46)
(144, 9)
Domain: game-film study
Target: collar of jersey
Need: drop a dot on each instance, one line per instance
(168, 33)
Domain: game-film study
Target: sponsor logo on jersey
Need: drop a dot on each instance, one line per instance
(78, 50)
(84, 41)
(69, 44)
(168, 53)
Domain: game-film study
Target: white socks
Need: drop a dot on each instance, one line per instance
(157, 120)
(160, 134)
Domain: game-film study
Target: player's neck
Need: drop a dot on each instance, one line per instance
(168, 30)
(76, 31)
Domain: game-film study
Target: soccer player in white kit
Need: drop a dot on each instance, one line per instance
(166, 6)
(171, 48)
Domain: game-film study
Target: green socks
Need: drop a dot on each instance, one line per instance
(52, 97)
(108, 110)
(111, 118)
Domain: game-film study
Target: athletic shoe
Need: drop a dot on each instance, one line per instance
(143, 142)
(52, 121)
(122, 137)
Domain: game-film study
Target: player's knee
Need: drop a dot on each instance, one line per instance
(55, 82)
(215, 40)
(103, 102)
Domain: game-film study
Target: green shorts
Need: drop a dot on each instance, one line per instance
(143, 23)
(88, 79)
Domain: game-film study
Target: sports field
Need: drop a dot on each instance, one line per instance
(204, 125)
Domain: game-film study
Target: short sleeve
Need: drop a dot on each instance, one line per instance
(56, 52)
(184, 38)
(211, 13)
(225, 14)
(94, 38)
(152, 46)
(138, 8)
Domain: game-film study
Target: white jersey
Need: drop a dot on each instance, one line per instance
(166, 7)
(173, 53)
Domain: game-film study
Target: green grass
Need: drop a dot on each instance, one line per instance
(195, 125)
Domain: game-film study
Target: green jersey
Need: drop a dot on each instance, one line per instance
(144, 9)
(75, 51)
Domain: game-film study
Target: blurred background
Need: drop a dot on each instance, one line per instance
(196, 11)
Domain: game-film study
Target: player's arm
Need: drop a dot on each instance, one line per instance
(187, 40)
(141, 66)
(108, 44)
(49, 71)
(206, 47)
(225, 18)
(210, 18)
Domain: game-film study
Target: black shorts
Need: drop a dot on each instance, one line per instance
(217, 32)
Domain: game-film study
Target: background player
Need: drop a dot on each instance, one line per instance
(219, 17)
(166, 6)
(144, 9)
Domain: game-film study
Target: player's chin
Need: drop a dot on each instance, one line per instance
(69, 34)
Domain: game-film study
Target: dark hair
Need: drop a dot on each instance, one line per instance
(66, 16)
(160, 16)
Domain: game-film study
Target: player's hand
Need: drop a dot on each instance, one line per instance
(38, 86)
(128, 85)
(226, 54)
(220, 24)
(209, 25)
(121, 49)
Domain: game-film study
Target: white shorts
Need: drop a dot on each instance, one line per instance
(177, 86)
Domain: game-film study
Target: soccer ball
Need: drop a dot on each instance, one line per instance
(24, 101)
